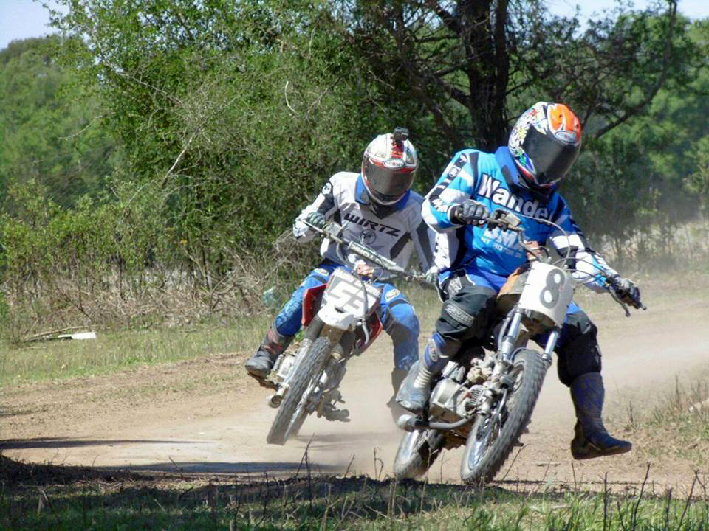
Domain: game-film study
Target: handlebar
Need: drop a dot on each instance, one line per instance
(636, 303)
(505, 220)
(332, 231)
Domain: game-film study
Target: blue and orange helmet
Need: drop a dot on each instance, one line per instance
(544, 143)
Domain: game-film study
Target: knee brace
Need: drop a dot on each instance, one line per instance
(578, 351)
(467, 314)
(437, 352)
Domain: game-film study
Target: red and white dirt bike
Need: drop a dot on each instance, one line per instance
(340, 320)
(484, 399)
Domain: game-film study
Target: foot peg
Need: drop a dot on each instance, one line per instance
(332, 413)
(410, 422)
(264, 382)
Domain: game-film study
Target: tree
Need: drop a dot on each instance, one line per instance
(50, 131)
(493, 59)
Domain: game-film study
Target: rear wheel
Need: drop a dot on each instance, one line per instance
(291, 413)
(492, 438)
(417, 451)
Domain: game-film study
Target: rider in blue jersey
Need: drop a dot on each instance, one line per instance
(474, 261)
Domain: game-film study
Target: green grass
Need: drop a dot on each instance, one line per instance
(678, 424)
(116, 350)
(37, 497)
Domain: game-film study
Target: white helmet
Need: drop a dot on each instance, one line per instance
(389, 166)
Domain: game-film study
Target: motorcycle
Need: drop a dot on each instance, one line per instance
(485, 398)
(340, 320)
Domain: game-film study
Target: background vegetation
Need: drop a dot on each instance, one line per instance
(154, 154)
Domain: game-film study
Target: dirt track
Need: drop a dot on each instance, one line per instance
(217, 423)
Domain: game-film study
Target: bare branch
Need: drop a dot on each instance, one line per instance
(635, 109)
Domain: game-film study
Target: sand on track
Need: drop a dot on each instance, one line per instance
(218, 429)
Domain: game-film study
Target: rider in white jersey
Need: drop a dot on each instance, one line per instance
(377, 208)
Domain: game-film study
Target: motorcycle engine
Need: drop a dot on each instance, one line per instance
(283, 366)
(448, 401)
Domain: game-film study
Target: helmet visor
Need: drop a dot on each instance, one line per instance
(388, 184)
(552, 158)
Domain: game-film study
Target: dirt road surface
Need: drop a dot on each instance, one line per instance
(204, 417)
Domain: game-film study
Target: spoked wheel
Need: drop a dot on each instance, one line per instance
(492, 438)
(291, 413)
(417, 451)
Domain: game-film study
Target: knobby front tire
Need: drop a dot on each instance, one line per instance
(491, 440)
(291, 414)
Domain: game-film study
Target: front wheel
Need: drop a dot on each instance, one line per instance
(417, 451)
(291, 413)
(492, 438)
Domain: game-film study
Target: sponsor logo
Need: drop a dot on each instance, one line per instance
(503, 241)
(391, 294)
(491, 189)
(460, 315)
(395, 164)
(567, 137)
(368, 237)
(454, 286)
(454, 171)
(373, 225)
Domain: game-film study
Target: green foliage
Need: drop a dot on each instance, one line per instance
(236, 110)
(648, 175)
(170, 143)
(50, 131)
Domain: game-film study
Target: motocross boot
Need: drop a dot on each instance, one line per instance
(397, 377)
(260, 364)
(416, 388)
(591, 439)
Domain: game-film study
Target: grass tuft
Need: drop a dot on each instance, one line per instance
(67, 498)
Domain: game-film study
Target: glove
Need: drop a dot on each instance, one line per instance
(431, 277)
(469, 213)
(363, 269)
(316, 219)
(626, 291)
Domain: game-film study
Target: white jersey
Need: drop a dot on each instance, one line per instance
(345, 200)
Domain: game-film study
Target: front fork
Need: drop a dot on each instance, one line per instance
(513, 335)
(329, 324)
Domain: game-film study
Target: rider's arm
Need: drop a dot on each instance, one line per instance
(424, 238)
(456, 185)
(590, 267)
(325, 203)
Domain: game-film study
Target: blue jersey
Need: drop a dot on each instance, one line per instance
(490, 179)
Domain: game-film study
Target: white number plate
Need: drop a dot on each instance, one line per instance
(548, 290)
(345, 291)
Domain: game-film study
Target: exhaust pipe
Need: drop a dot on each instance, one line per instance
(410, 422)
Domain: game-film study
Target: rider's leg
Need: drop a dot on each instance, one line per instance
(415, 389)
(466, 314)
(402, 325)
(580, 369)
(285, 326)
(274, 343)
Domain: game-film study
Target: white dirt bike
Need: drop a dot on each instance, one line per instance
(340, 320)
(485, 398)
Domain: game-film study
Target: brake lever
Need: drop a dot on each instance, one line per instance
(503, 220)
(638, 305)
(615, 297)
